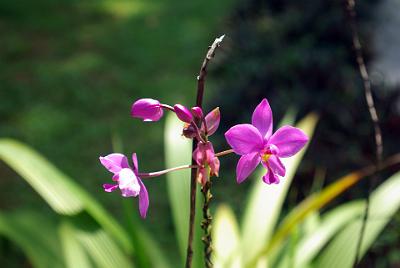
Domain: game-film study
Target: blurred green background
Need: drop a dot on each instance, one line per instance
(70, 70)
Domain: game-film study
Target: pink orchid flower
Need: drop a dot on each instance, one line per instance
(127, 179)
(256, 143)
(208, 164)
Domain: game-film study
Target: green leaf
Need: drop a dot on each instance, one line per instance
(384, 203)
(74, 254)
(178, 152)
(101, 247)
(226, 239)
(35, 234)
(265, 202)
(147, 251)
(62, 194)
(331, 223)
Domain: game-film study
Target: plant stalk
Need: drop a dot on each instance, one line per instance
(193, 180)
(350, 8)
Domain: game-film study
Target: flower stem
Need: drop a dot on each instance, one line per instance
(350, 8)
(206, 223)
(162, 172)
(224, 153)
(193, 180)
(168, 107)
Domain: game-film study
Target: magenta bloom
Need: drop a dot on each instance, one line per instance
(256, 143)
(208, 164)
(183, 113)
(147, 109)
(127, 179)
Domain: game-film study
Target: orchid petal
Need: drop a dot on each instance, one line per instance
(246, 165)
(270, 177)
(114, 162)
(262, 119)
(143, 199)
(212, 121)
(128, 183)
(214, 166)
(244, 139)
(197, 112)
(276, 165)
(203, 175)
(135, 163)
(289, 140)
(109, 187)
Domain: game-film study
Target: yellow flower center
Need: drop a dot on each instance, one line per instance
(265, 157)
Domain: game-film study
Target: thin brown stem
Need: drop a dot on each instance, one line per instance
(193, 180)
(224, 153)
(350, 7)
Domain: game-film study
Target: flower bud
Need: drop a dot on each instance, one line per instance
(183, 113)
(197, 112)
(147, 109)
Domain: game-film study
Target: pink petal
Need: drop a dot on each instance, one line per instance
(214, 166)
(246, 165)
(270, 177)
(109, 187)
(262, 119)
(114, 162)
(183, 113)
(147, 109)
(128, 183)
(143, 199)
(135, 163)
(289, 140)
(276, 165)
(212, 121)
(203, 175)
(244, 139)
(198, 155)
(197, 112)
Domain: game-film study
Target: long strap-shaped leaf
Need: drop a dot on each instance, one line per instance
(314, 203)
(178, 152)
(384, 203)
(62, 194)
(39, 245)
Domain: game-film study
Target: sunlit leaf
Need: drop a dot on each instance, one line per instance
(62, 194)
(178, 152)
(35, 234)
(384, 203)
(226, 239)
(74, 254)
(331, 222)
